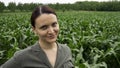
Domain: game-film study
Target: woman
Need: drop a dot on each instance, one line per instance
(46, 53)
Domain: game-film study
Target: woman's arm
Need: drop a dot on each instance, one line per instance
(13, 62)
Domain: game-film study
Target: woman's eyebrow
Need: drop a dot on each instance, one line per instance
(54, 22)
(47, 25)
(43, 26)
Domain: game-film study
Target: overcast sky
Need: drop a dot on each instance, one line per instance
(45, 1)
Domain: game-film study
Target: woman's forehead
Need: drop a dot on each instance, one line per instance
(46, 18)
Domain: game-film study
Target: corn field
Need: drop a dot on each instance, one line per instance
(94, 37)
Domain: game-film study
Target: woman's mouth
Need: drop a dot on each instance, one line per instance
(51, 37)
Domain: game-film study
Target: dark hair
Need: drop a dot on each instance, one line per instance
(40, 10)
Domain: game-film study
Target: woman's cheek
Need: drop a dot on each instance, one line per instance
(57, 28)
(40, 33)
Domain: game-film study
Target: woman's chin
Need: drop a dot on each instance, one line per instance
(51, 40)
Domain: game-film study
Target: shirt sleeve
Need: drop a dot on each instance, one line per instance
(13, 62)
(69, 62)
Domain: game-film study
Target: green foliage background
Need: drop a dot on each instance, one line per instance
(94, 37)
(113, 5)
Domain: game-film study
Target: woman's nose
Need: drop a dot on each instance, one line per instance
(50, 30)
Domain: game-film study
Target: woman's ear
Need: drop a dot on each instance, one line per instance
(33, 29)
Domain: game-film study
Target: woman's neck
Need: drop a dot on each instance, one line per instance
(46, 46)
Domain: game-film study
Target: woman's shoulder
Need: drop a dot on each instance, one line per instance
(64, 47)
(23, 52)
(27, 50)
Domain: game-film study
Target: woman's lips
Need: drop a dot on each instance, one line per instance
(51, 37)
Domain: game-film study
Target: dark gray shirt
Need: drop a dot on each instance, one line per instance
(35, 57)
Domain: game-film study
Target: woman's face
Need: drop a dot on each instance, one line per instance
(47, 28)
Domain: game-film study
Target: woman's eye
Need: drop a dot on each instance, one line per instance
(43, 27)
(54, 24)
